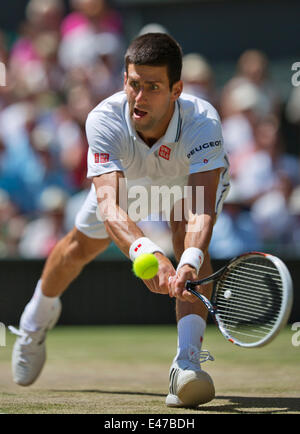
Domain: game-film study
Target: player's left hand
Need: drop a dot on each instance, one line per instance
(160, 283)
(177, 283)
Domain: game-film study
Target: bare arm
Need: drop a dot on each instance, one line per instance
(199, 228)
(122, 230)
(201, 223)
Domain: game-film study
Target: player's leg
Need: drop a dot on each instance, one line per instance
(189, 384)
(63, 265)
(67, 260)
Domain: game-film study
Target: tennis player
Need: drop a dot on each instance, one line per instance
(150, 134)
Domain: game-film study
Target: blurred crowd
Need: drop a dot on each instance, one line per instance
(61, 64)
(262, 138)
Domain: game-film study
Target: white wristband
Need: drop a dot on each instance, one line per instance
(193, 257)
(143, 245)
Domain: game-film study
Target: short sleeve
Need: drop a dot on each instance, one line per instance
(204, 146)
(105, 144)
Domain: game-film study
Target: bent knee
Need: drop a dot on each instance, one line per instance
(80, 249)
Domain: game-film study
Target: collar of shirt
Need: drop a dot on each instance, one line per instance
(171, 136)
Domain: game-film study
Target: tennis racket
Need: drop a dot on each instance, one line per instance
(251, 300)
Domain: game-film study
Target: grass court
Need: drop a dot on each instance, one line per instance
(124, 370)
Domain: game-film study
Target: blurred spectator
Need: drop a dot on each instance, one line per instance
(3, 48)
(91, 49)
(235, 231)
(247, 97)
(51, 171)
(41, 234)
(252, 68)
(47, 46)
(265, 179)
(198, 78)
(153, 28)
(267, 167)
(12, 225)
(247, 106)
(42, 16)
(3, 61)
(28, 163)
(292, 117)
(294, 208)
(293, 106)
(71, 133)
(58, 69)
(93, 14)
(61, 66)
(45, 15)
(17, 161)
(4, 91)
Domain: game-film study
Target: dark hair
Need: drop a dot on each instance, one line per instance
(156, 49)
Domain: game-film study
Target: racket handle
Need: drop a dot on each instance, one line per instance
(204, 300)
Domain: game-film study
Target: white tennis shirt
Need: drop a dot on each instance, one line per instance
(192, 143)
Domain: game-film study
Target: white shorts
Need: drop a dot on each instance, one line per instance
(143, 201)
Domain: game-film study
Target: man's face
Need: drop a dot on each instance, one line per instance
(151, 102)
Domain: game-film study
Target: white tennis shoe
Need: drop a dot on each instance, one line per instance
(189, 385)
(29, 352)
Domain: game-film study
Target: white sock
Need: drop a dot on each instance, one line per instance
(37, 312)
(191, 330)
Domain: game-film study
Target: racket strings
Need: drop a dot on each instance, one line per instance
(250, 297)
(254, 301)
(249, 311)
(257, 291)
(247, 299)
(252, 275)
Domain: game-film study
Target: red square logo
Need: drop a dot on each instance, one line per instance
(164, 152)
(138, 247)
(97, 158)
(104, 158)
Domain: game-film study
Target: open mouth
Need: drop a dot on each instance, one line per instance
(139, 114)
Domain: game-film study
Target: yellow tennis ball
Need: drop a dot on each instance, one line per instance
(145, 266)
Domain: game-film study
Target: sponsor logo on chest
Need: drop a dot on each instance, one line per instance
(164, 152)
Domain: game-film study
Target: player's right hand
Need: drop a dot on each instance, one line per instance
(177, 283)
(160, 283)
